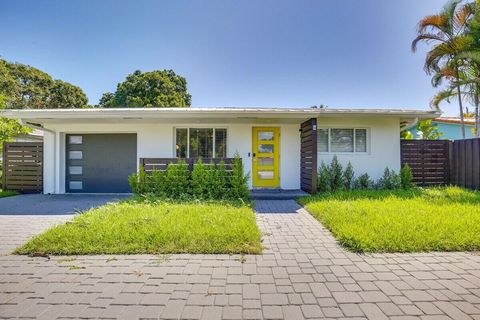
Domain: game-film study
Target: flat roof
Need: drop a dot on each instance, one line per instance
(183, 114)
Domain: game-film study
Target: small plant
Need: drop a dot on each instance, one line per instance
(406, 177)
(336, 176)
(199, 180)
(219, 177)
(363, 182)
(348, 175)
(157, 183)
(177, 180)
(323, 178)
(139, 181)
(238, 180)
(389, 181)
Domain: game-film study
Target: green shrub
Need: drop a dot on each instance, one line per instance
(238, 180)
(348, 175)
(336, 175)
(139, 181)
(199, 180)
(323, 178)
(177, 180)
(389, 181)
(217, 177)
(406, 177)
(363, 182)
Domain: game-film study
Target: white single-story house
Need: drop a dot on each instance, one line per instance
(94, 150)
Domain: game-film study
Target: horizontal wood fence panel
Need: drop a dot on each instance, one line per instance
(466, 163)
(161, 164)
(308, 156)
(23, 166)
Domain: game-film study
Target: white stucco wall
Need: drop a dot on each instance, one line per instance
(157, 140)
(383, 144)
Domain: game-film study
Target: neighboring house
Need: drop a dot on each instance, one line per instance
(94, 150)
(451, 128)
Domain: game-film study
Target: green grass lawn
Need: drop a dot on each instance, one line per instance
(437, 219)
(132, 227)
(6, 193)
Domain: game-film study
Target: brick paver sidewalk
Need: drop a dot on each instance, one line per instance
(303, 273)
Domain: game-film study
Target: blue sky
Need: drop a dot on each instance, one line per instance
(233, 53)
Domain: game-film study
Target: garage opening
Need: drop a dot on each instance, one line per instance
(100, 163)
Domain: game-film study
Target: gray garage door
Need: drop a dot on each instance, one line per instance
(100, 163)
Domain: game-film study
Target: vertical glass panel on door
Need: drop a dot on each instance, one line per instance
(201, 143)
(265, 161)
(181, 142)
(265, 148)
(75, 155)
(266, 175)
(266, 136)
(220, 143)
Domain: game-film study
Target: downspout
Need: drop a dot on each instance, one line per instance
(41, 128)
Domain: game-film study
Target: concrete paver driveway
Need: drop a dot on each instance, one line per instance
(24, 216)
(55, 204)
(303, 274)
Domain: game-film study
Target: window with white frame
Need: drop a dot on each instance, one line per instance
(201, 142)
(342, 140)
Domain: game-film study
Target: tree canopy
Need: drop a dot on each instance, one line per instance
(26, 87)
(159, 88)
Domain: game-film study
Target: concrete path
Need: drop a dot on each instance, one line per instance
(303, 273)
(57, 204)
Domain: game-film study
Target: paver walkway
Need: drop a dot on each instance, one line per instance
(303, 273)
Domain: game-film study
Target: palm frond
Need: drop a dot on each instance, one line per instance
(436, 21)
(427, 37)
(443, 95)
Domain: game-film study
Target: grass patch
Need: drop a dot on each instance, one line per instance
(419, 220)
(133, 227)
(6, 193)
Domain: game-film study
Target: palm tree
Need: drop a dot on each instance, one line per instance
(447, 30)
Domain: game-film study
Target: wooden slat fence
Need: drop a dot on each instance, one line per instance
(161, 164)
(23, 166)
(308, 156)
(429, 160)
(466, 163)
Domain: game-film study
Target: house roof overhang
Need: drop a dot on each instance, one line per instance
(203, 115)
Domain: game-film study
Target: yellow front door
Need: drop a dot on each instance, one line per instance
(266, 157)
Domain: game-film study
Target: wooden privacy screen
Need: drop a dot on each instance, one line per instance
(429, 160)
(308, 156)
(23, 166)
(161, 164)
(465, 165)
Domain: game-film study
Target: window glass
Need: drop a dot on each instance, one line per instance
(220, 143)
(341, 140)
(265, 161)
(75, 170)
(266, 175)
(265, 136)
(360, 140)
(75, 139)
(76, 185)
(265, 148)
(75, 155)
(201, 143)
(181, 143)
(322, 143)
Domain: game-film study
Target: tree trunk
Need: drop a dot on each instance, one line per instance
(460, 104)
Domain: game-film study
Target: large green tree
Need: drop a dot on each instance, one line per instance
(26, 87)
(9, 127)
(447, 31)
(160, 88)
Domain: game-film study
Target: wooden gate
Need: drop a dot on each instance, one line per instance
(429, 160)
(466, 163)
(23, 166)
